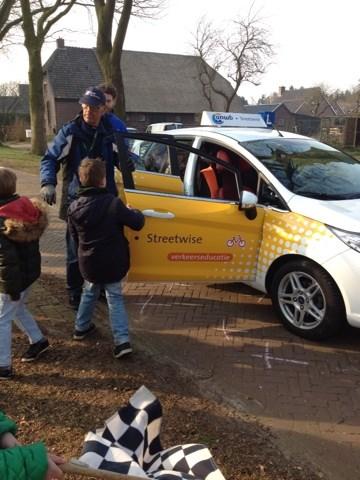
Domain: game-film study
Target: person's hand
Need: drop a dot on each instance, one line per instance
(48, 194)
(8, 440)
(53, 471)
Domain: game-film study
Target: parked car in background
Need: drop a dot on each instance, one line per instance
(162, 127)
(130, 140)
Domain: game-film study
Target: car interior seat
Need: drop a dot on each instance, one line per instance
(209, 188)
(226, 179)
(219, 182)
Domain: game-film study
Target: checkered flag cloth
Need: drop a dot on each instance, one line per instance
(129, 443)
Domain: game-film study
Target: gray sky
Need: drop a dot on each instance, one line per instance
(315, 40)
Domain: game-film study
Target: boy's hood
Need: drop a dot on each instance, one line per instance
(21, 208)
(23, 219)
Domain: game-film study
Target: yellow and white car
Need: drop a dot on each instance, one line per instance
(275, 210)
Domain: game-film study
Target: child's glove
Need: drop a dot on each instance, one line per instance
(48, 194)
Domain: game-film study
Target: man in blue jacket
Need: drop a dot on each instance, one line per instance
(88, 135)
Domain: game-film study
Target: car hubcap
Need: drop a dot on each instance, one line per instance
(301, 300)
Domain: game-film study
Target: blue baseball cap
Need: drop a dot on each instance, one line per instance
(94, 97)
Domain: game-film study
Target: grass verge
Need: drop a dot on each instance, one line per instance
(19, 159)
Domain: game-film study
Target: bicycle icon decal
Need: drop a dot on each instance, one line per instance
(236, 241)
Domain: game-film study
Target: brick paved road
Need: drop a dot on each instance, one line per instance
(230, 340)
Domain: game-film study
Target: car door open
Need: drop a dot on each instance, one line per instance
(193, 238)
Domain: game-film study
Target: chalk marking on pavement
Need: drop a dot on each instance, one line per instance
(165, 304)
(232, 330)
(261, 299)
(224, 329)
(144, 305)
(268, 357)
(188, 304)
(178, 285)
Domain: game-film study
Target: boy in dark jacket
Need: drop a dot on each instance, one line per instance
(22, 222)
(27, 462)
(96, 220)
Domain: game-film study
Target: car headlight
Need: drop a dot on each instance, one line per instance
(351, 239)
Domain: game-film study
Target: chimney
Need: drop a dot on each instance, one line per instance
(23, 89)
(281, 91)
(60, 43)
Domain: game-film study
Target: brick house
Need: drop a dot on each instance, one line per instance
(284, 120)
(307, 101)
(15, 115)
(159, 87)
(298, 110)
(287, 120)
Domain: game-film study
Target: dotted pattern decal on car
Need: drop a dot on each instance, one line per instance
(290, 233)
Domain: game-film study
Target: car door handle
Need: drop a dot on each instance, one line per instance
(155, 214)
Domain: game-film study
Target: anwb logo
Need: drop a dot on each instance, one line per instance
(219, 118)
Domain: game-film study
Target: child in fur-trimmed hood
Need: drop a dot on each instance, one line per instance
(22, 222)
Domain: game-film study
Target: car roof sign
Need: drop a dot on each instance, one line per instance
(230, 119)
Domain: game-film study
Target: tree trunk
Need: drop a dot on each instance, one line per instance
(36, 102)
(33, 46)
(109, 53)
(120, 108)
(105, 15)
(117, 81)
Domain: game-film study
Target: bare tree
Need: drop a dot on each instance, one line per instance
(207, 48)
(36, 28)
(242, 55)
(36, 18)
(6, 7)
(9, 89)
(353, 99)
(108, 47)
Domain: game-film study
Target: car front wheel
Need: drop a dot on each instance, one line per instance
(307, 300)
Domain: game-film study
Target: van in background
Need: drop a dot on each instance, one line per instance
(161, 127)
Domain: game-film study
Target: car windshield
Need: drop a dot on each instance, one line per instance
(309, 168)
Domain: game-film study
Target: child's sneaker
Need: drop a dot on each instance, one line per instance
(122, 350)
(81, 334)
(35, 350)
(6, 373)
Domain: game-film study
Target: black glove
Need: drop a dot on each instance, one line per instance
(15, 297)
(48, 194)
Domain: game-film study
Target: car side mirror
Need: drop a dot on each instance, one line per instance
(248, 204)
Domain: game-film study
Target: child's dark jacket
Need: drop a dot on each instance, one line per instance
(22, 222)
(96, 220)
